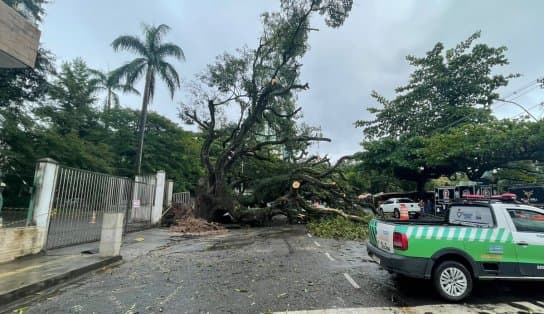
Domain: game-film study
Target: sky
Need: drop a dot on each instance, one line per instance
(343, 65)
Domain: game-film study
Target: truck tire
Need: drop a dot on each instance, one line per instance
(452, 280)
(396, 213)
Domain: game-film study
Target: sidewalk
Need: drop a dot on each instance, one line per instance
(30, 274)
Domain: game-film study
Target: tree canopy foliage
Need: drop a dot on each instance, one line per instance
(446, 88)
(472, 149)
(440, 123)
(66, 123)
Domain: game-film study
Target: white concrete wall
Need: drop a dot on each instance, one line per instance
(16, 242)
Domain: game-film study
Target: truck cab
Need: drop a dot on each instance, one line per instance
(489, 240)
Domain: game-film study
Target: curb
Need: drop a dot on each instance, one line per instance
(26, 290)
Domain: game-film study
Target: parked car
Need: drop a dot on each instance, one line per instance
(478, 241)
(392, 206)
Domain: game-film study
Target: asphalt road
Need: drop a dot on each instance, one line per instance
(261, 271)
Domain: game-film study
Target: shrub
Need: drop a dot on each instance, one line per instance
(339, 228)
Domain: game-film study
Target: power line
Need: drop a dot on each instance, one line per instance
(525, 92)
(520, 92)
(533, 82)
(531, 108)
(517, 93)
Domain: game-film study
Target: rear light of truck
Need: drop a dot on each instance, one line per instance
(400, 241)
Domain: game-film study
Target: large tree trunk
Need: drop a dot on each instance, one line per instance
(215, 199)
(108, 101)
(143, 121)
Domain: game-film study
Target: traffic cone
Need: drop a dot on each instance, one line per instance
(93, 218)
(404, 212)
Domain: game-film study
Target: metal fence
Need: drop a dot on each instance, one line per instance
(81, 198)
(143, 200)
(182, 198)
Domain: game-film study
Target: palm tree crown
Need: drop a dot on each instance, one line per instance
(108, 82)
(150, 62)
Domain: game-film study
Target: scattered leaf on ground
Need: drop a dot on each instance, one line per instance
(240, 290)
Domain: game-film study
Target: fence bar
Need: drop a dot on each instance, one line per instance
(81, 198)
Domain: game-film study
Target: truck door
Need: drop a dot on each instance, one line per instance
(528, 224)
(486, 239)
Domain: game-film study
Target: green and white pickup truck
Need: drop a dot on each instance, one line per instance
(477, 241)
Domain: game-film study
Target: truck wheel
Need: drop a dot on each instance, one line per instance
(452, 280)
(396, 213)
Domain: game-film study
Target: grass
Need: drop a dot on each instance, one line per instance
(339, 228)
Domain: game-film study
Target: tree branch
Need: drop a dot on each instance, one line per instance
(194, 117)
(302, 138)
(288, 115)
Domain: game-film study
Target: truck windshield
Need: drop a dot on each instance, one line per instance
(405, 200)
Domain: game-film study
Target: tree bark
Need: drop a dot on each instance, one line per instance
(143, 120)
(108, 101)
(215, 200)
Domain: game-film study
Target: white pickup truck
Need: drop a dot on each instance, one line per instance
(392, 206)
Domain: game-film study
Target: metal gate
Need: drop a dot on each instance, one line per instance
(143, 200)
(81, 198)
(182, 198)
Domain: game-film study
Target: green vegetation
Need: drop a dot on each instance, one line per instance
(340, 228)
(440, 123)
(73, 114)
(67, 123)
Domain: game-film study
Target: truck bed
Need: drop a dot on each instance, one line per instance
(421, 221)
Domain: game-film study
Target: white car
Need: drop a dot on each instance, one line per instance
(392, 206)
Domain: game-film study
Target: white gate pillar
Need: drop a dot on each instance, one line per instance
(111, 235)
(45, 181)
(169, 192)
(156, 212)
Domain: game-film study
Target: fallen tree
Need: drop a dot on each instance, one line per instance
(300, 183)
(260, 85)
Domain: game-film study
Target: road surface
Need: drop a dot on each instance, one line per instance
(263, 271)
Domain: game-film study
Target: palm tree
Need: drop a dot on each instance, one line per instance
(108, 81)
(151, 63)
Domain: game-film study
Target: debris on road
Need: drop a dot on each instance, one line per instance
(241, 290)
(186, 223)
